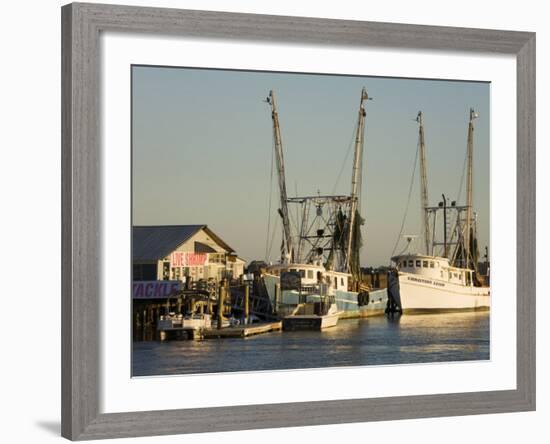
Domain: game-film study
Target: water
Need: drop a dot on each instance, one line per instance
(354, 342)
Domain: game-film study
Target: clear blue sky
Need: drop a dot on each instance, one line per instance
(202, 149)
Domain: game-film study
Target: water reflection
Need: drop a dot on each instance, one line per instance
(374, 341)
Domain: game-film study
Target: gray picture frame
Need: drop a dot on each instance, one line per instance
(81, 232)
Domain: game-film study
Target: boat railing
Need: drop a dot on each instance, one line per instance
(319, 288)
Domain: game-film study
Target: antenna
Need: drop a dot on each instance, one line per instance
(409, 238)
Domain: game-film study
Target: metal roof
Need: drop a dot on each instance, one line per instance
(155, 242)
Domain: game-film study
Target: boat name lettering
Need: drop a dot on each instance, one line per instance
(426, 281)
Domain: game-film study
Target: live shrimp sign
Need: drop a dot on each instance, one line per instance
(187, 259)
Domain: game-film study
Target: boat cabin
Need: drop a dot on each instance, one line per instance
(433, 267)
(313, 275)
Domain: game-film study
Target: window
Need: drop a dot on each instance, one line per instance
(411, 263)
(216, 258)
(335, 282)
(418, 264)
(432, 265)
(310, 274)
(404, 263)
(425, 264)
(302, 273)
(342, 281)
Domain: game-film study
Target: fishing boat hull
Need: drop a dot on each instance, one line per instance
(355, 305)
(350, 304)
(421, 294)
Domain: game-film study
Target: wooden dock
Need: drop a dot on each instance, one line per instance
(241, 331)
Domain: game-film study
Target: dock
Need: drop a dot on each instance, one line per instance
(198, 333)
(241, 331)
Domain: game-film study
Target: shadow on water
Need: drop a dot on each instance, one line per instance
(393, 319)
(355, 342)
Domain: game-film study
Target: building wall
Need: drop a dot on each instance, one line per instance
(213, 269)
(145, 271)
(237, 268)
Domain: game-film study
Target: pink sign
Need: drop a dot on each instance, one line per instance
(187, 259)
(154, 289)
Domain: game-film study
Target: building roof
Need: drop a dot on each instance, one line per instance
(154, 242)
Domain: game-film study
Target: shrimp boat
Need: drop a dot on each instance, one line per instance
(317, 280)
(445, 278)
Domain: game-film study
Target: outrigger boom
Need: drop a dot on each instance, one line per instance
(333, 229)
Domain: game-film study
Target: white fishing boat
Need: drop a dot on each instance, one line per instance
(180, 322)
(318, 275)
(308, 298)
(430, 283)
(306, 317)
(444, 278)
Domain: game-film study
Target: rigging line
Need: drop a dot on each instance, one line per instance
(298, 208)
(270, 200)
(402, 251)
(293, 223)
(459, 193)
(312, 224)
(272, 239)
(296, 194)
(408, 200)
(345, 159)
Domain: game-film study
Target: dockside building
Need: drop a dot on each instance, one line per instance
(182, 252)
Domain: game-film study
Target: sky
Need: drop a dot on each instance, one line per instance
(202, 149)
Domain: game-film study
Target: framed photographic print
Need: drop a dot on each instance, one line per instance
(251, 203)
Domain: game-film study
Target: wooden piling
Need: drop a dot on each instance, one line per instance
(246, 298)
(276, 299)
(221, 298)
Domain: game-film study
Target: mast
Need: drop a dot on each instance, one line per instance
(286, 248)
(423, 183)
(469, 191)
(444, 206)
(356, 175)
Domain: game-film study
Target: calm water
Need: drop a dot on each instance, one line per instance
(374, 341)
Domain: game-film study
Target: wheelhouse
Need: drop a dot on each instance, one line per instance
(313, 275)
(433, 267)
